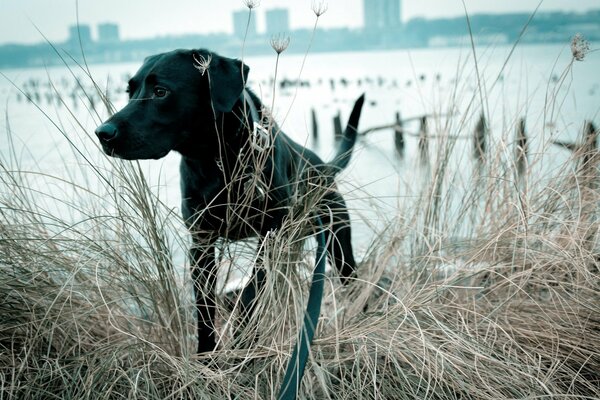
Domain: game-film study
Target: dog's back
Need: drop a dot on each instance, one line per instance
(253, 193)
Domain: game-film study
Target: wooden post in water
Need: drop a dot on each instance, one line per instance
(480, 136)
(589, 155)
(589, 182)
(521, 150)
(590, 145)
(423, 139)
(399, 135)
(315, 124)
(337, 126)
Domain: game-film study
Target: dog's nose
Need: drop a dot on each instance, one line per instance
(107, 132)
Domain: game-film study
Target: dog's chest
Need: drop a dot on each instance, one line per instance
(233, 219)
(235, 210)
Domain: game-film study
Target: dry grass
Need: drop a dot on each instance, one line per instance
(496, 298)
(93, 307)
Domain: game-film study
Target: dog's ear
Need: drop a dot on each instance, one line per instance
(227, 80)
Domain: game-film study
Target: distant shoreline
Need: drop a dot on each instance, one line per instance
(418, 33)
(56, 61)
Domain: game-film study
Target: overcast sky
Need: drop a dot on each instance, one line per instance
(150, 18)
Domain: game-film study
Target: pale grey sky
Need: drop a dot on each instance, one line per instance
(149, 18)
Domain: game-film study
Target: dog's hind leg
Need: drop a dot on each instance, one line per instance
(249, 293)
(338, 235)
(253, 287)
(248, 300)
(204, 278)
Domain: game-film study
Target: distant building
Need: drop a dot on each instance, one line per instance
(80, 34)
(382, 14)
(278, 21)
(240, 23)
(108, 33)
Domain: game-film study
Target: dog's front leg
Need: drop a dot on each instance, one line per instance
(204, 275)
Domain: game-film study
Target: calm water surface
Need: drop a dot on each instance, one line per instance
(448, 84)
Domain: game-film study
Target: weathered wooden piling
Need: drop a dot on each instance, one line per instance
(399, 135)
(587, 148)
(480, 137)
(423, 139)
(521, 149)
(590, 145)
(588, 176)
(337, 126)
(315, 124)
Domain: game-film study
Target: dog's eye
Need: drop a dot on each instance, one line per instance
(160, 91)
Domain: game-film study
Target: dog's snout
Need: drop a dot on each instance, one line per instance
(107, 132)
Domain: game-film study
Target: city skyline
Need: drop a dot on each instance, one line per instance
(378, 14)
(21, 20)
(382, 14)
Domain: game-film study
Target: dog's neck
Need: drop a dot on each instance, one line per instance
(223, 139)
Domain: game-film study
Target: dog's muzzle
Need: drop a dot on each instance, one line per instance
(107, 132)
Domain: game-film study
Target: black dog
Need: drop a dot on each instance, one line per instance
(240, 175)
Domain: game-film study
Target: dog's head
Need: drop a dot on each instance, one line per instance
(173, 98)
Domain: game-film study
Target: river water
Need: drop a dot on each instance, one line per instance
(451, 85)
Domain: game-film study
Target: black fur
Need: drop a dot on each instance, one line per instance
(192, 102)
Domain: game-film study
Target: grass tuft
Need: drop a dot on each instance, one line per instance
(93, 305)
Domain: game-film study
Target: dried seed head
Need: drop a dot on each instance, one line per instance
(279, 43)
(252, 3)
(319, 7)
(579, 47)
(201, 63)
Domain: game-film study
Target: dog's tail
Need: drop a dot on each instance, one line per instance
(344, 151)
